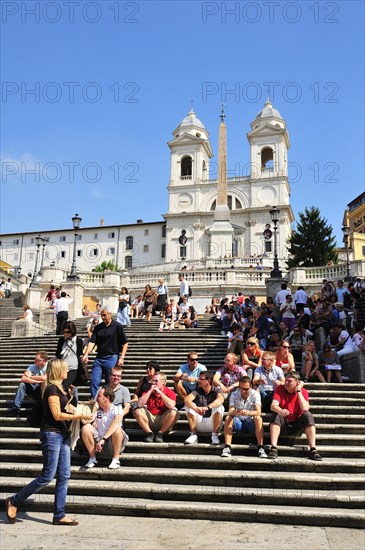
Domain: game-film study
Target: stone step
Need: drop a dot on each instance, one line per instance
(202, 493)
(301, 515)
(299, 451)
(206, 477)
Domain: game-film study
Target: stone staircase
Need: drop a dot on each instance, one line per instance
(175, 480)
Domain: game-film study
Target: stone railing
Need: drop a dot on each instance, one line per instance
(92, 278)
(22, 328)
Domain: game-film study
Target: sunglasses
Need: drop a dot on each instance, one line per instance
(251, 343)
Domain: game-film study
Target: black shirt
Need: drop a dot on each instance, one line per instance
(109, 339)
(49, 424)
(203, 399)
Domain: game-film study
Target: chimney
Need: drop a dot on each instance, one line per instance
(139, 221)
(101, 222)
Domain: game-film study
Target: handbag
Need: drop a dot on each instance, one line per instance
(83, 375)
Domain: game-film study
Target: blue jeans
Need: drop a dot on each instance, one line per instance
(56, 462)
(266, 398)
(102, 366)
(23, 390)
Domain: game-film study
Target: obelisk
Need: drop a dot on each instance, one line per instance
(221, 232)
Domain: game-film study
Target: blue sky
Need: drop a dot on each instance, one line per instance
(113, 79)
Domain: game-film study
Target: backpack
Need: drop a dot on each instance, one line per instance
(190, 291)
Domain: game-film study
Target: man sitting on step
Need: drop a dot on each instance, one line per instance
(244, 416)
(292, 417)
(188, 374)
(156, 410)
(31, 381)
(104, 431)
(205, 408)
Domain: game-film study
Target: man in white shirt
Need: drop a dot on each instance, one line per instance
(300, 297)
(184, 288)
(105, 428)
(61, 310)
(281, 295)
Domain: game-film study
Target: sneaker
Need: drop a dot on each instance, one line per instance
(158, 438)
(149, 438)
(226, 452)
(193, 438)
(272, 453)
(314, 455)
(262, 453)
(115, 464)
(215, 439)
(91, 463)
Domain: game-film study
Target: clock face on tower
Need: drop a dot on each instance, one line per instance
(184, 201)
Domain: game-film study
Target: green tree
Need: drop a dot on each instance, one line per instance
(107, 266)
(312, 242)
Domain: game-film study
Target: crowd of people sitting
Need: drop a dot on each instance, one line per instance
(289, 326)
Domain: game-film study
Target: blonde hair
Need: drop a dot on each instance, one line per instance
(55, 371)
(253, 340)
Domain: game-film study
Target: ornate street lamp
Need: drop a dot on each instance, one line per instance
(275, 273)
(38, 242)
(346, 234)
(45, 241)
(76, 220)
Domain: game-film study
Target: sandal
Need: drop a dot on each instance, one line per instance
(65, 521)
(8, 504)
(314, 455)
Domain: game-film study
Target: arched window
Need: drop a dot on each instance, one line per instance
(163, 235)
(129, 243)
(267, 159)
(232, 202)
(186, 167)
(128, 260)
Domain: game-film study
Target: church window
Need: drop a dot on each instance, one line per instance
(129, 243)
(186, 167)
(268, 246)
(163, 251)
(128, 262)
(267, 159)
(78, 253)
(163, 234)
(232, 202)
(111, 251)
(145, 248)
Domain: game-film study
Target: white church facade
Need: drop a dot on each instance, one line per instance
(187, 234)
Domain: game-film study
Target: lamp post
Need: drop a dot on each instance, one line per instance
(346, 234)
(275, 273)
(76, 220)
(38, 242)
(45, 241)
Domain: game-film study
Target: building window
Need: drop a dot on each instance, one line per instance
(63, 254)
(78, 253)
(129, 243)
(267, 159)
(111, 251)
(30, 256)
(145, 248)
(93, 252)
(31, 241)
(96, 236)
(183, 252)
(268, 246)
(62, 239)
(232, 202)
(16, 257)
(79, 238)
(128, 262)
(186, 167)
(163, 251)
(163, 231)
(363, 250)
(16, 241)
(111, 235)
(145, 232)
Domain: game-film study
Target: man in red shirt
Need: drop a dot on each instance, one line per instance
(291, 407)
(157, 409)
